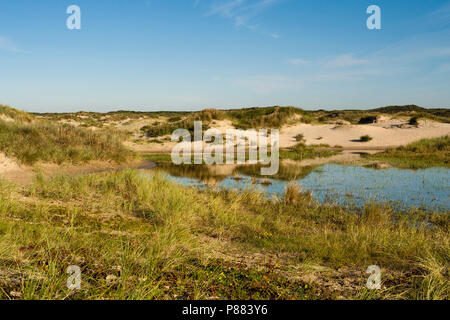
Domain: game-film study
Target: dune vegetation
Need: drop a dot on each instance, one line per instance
(9, 113)
(30, 140)
(301, 152)
(421, 154)
(137, 237)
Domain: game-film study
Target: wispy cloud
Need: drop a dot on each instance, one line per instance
(8, 45)
(243, 13)
(274, 35)
(299, 61)
(444, 68)
(440, 17)
(345, 60)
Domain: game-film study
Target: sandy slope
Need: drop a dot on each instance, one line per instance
(387, 133)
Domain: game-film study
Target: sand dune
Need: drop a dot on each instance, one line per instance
(386, 134)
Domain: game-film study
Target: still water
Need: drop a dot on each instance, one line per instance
(352, 186)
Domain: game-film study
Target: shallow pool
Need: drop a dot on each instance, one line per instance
(354, 186)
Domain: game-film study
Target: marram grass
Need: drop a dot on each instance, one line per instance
(142, 237)
(421, 154)
(31, 142)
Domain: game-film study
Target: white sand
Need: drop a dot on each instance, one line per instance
(386, 134)
(7, 164)
(5, 118)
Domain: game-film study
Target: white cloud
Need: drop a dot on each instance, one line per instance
(226, 8)
(242, 12)
(345, 60)
(349, 75)
(7, 45)
(299, 61)
(274, 35)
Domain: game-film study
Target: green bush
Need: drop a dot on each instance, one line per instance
(365, 138)
(300, 137)
(414, 121)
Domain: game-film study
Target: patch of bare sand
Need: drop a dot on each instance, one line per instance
(387, 133)
(7, 164)
(6, 118)
(11, 171)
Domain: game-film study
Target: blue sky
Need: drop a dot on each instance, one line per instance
(194, 54)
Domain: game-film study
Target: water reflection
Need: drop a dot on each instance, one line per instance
(346, 185)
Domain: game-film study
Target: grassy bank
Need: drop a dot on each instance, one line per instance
(30, 142)
(14, 114)
(298, 152)
(147, 238)
(421, 154)
(301, 152)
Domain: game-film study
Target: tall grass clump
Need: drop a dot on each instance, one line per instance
(299, 137)
(365, 138)
(58, 143)
(294, 195)
(254, 118)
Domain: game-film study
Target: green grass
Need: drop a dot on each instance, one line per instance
(355, 116)
(365, 138)
(53, 142)
(15, 114)
(158, 157)
(252, 118)
(421, 154)
(301, 152)
(255, 118)
(163, 241)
